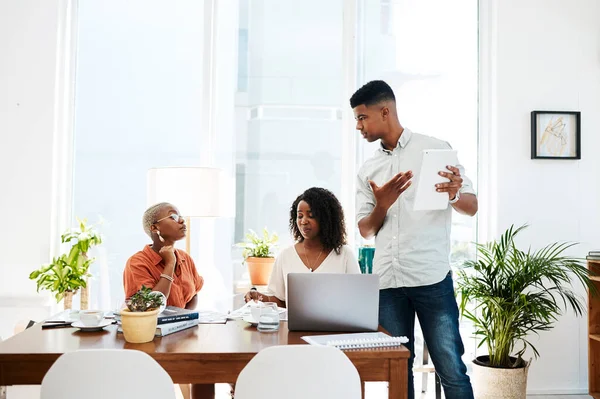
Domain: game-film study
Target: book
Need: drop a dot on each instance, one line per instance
(172, 314)
(169, 328)
(356, 340)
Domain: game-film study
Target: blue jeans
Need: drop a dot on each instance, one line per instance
(436, 308)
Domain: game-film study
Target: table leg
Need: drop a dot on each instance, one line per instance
(203, 391)
(398, 386)
(362, 389)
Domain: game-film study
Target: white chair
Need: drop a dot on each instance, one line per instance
(299, 372)
(106, 373)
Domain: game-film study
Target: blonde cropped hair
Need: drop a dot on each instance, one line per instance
(151, 215)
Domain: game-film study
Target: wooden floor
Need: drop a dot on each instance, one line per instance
(379, 391)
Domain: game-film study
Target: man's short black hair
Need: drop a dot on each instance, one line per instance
(374, 92)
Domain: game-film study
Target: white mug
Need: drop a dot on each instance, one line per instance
(91, 318)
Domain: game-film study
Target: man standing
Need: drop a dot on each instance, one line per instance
(412, 248)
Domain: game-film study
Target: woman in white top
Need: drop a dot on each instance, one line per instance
(318, 227)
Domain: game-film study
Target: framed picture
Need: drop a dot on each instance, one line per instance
(555, 135)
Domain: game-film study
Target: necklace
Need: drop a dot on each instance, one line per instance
(310, 265)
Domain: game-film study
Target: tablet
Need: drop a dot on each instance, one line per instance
(433, 162)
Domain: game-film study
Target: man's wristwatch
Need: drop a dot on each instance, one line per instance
(456, 198)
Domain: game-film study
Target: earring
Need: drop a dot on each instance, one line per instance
(159, 236)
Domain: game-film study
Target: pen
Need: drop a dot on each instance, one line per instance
(55, 325)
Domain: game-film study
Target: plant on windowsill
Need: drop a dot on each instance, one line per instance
(140, 318)
(514, 294)
(259, 255)
(68, 273)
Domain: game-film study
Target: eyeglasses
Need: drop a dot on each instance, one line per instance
(173, 216)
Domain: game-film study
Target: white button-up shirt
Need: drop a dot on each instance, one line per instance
(412, 248)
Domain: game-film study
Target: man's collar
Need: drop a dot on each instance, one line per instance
(402, 141)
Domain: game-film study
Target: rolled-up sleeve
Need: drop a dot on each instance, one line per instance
(365, 200)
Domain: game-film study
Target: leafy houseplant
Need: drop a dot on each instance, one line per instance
(258, 253)
(69, 272)
(144, 300)
(516, 293)
(140, 318)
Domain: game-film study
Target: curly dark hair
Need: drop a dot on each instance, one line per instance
(328, 212)
(372, 93)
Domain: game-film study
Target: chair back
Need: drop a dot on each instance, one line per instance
(106, 373)
(299, 372)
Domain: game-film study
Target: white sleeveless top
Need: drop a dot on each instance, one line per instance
(288, 261)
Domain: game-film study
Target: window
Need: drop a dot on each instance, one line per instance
(288, 123)
(273, 84)
(138, 92)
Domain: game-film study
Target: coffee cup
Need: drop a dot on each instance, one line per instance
(91, 318)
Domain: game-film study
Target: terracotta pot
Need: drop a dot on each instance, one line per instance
(260, 270)
(139, 327)
(499, 383)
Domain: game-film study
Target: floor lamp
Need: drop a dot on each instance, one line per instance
(198, 192)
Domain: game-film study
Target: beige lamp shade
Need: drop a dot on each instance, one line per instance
(195, 191)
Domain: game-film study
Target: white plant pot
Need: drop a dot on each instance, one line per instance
(496, 383)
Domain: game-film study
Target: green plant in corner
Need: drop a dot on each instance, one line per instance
(259, 246)
(517, 293)
(69, 272)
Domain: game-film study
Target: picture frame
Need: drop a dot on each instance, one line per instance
(555, 135)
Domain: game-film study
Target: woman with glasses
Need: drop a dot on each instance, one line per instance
(159, 265)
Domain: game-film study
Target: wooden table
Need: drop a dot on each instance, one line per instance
(211, 353)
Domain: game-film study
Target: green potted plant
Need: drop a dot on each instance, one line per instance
(514, 294)
(258, 253)
(140, 318)
(68, 273)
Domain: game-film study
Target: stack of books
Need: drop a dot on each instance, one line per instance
(593, 255)
(171, 320)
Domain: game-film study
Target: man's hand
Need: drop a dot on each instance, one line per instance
(386, 195)
(453, 185)
(167, 253)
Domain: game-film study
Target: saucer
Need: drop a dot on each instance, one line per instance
(82, 327)
(249, 319)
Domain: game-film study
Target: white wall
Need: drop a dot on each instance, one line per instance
(548, 58)
(28, 46)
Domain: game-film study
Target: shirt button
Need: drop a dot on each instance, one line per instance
(394, 237)
(395, 215)
(395, 259)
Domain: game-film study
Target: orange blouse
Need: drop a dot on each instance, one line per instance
(145, 267)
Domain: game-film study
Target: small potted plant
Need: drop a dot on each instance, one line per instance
(258, 253)
(140, 318)
(516, 294)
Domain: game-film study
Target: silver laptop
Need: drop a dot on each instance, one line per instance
(333, 302)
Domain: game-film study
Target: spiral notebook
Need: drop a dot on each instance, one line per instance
(356, 341)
